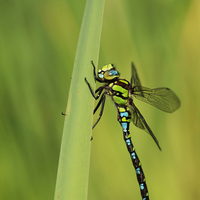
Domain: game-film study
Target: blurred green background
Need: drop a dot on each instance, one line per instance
(38, 41)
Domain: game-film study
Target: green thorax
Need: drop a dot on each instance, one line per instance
(119, 91)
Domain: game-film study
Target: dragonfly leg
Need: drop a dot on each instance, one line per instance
(99, 103)
(102, 103)
(98, 91)
(95, 76)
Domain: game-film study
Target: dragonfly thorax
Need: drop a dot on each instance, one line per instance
(119, 91)
(108, 73)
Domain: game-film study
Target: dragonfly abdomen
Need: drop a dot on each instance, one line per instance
(124, 117)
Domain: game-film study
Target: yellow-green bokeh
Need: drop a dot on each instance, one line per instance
(37, 48)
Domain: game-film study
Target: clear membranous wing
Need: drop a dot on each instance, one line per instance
(162, 98)
(139, 121)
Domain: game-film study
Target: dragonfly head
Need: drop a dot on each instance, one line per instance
(108, 73)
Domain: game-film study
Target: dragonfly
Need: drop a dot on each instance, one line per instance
(122, 93)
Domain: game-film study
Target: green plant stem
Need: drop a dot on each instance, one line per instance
(74, 161)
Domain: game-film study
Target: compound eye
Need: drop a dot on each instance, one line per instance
(113, 73)
(110, 75)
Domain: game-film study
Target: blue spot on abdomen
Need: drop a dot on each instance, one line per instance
(123, 114)
(137, 170)
(124, 126)
(128, 142)
(142, 186)
(133, 155)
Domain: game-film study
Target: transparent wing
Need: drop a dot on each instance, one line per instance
(135, 81)
(162, 98)
(139, 121)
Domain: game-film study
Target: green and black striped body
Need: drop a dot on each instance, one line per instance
(119, 92)
(122, 93)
